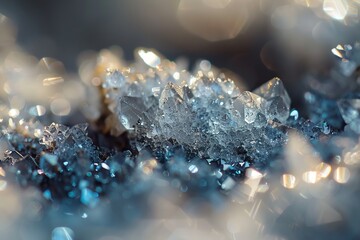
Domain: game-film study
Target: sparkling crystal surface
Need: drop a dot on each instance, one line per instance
(168, 151)
(277, 99)
(197, 111)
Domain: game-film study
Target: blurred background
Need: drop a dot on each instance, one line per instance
(256, 39)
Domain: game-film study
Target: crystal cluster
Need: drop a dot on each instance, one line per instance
(190, 147)
(332, 97)
(203, 113)
(197, 130)
(63, 163)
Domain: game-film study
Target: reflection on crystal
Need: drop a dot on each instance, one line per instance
(89, 198)
(156, 91)
(228, 184)
(49, 65)
(263, 188)
(251, 185)
(2, 172)
(149, 57)
(37, 110)
(341, 175)
(172, 94)
(310, 177)
(253, 174)
(294, 114)
(251, 106)
(49, 164)
(288, 181)
(14, 112)
(352, 157)
(323, 169)
(336, 9)
(131, 109)
(338, 51)
(149, 166)
(62, 233)
(277, 99)
(4, 146)
(52, 81)
(193, 169)
(114, 79)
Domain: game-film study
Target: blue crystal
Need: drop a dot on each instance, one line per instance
(49, 164)
(62, 233)
(89, 198)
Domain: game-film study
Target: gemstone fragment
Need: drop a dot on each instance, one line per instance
(277, 99)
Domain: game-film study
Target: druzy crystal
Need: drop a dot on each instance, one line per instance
(162, 140)
(203, 113)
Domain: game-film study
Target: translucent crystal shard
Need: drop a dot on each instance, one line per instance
(249, 106)
(131, 110)
(54, 134)
(171, 96)
(337, 9)
(114, 79)
(277, 99)
(348, 55)
(350, 111)
(149, 57)
(49, 164)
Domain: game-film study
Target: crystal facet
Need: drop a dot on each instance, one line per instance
(277, 99)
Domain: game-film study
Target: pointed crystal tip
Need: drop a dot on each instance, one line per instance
(277, 99)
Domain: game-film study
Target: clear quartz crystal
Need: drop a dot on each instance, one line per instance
(158, 101)
(114, 79)
(277, 99)
(130, 110)
(251, 105)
